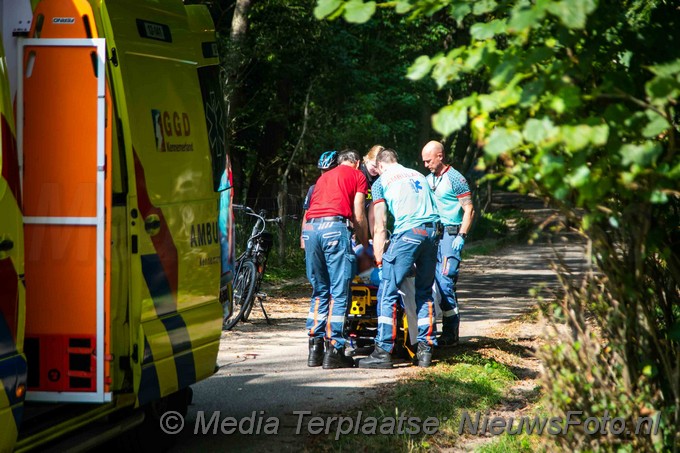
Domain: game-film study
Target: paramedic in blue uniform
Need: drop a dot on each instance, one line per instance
(405, 194)
(337, 202)
(454, 203)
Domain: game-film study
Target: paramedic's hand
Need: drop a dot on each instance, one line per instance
(458, 244)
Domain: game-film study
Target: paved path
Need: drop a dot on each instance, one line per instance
(263, 368)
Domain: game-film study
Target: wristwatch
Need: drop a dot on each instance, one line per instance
(463, 235)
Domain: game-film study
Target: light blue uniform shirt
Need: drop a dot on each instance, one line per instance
(407, 196)
(448, 189)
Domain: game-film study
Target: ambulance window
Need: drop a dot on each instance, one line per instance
(215, 117)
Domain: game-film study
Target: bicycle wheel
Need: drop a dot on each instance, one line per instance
(244, 287)
(247, 308)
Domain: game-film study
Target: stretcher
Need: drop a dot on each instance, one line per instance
(362, 318)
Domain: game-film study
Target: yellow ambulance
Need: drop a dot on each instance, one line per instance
(113, 194)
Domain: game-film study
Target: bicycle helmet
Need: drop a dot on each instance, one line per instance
(328, 160)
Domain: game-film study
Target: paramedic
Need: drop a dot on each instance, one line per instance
(454, 203)
(337, 203)
(405, 194)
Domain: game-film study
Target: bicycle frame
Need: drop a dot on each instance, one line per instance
(254, 246)
(255, 259)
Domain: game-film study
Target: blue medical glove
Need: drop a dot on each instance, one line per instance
(380, 273)
(458, 244)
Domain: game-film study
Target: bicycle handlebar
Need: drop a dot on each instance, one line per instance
(250, 211)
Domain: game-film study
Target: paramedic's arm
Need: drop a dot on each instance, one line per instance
(379, 230)
(468, 213)
(360, 226)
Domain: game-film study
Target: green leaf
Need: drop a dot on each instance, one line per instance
(538, 131)
(567, 98)
(474, 57)
(483, 7)
(459, 10)
(599, 134)
(499, 99)
(445, 71)
(575, 137)
(662, 88)
(419, 68)
(579, 177)
(325, 8)
(525, 18)
(670, 69)
(649, 370)
(358, 12)
(551, 163)
(505, 71)
(502, 140)
(573, 13)
(657, 124)
(450, 118)
(531, 92)
(403, 7)
(482, 31)
(642, 155)
(658, 197)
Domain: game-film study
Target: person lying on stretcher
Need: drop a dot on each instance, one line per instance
(367, 271)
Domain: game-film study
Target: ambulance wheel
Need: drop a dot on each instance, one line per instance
(149, 436)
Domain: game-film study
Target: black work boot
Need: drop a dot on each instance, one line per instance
(447, 338)
(379, 358)
(315, 357)
(424, 354)
(336, 358)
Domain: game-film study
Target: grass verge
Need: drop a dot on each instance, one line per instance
(467, 381)
(510, 444)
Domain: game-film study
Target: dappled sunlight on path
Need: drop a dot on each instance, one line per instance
(263, 367)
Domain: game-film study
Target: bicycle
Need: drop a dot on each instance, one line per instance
(249, 270)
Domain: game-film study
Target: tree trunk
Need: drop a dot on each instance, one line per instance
(235, 66)
(282, 197)
(239, 23)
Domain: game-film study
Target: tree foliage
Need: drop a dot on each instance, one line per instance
(358, 94)
(576, 101)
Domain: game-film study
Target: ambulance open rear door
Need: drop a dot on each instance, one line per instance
(62, 140)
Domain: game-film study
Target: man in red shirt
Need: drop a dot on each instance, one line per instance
(337, 203)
